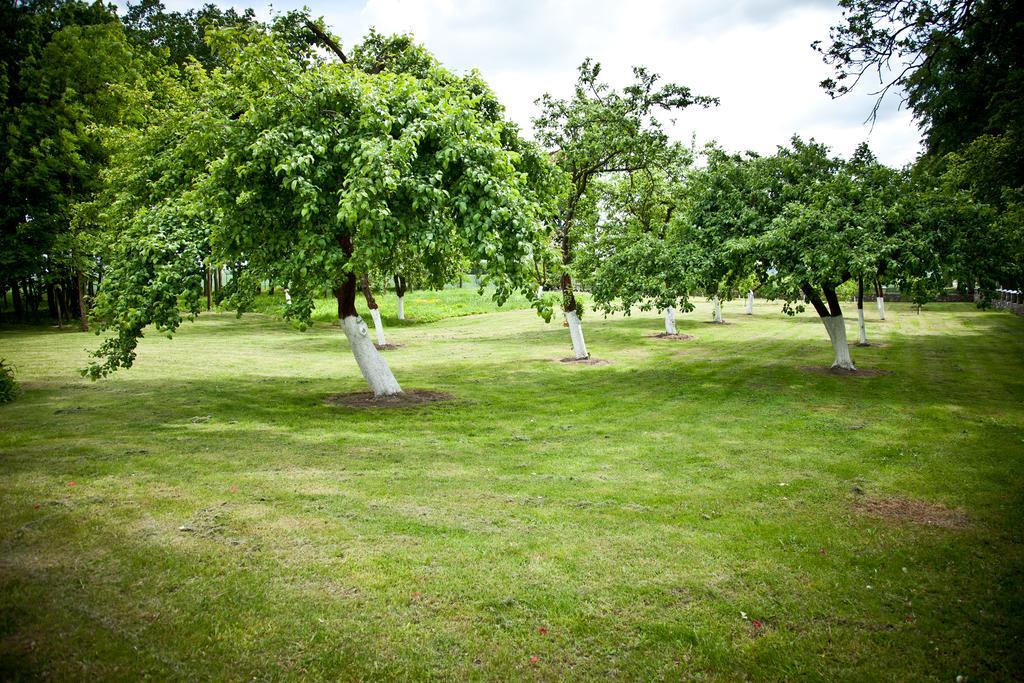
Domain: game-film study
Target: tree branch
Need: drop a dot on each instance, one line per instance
(326, 40)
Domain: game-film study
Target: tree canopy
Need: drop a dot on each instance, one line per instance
(310, 173)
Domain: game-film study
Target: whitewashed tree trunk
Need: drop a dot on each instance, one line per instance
(579, 346)
(718, 310)
(540, 291)
(670, 321)
(378, 326)
(750, 302)
(375, 370)
(287, 297)
(881, 307)
(401, 307)
(863, 330)
(836, 327)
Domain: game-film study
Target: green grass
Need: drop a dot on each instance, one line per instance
(421, 306)
(225, 524)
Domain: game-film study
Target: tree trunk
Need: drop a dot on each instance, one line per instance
(83, 311)
(833, 322)
(287, 297)
(670, 321)
(880, 299)
(371, 303)
(35, 291)
(71, 298)
(718, 311)
(860, 312)
(208, 286)
(371, 363)
(400, 293)
(16, 301)
(579, 345)
(51, 299)
(835, 325)
(57, 298)
(750, 302)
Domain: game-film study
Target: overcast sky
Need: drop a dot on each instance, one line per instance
(754, 55)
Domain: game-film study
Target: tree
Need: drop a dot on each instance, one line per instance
(313, 173)
(627, 260)
(799, 221)
(957, 65)
(62, 66)
(181, 36)
(596, 132)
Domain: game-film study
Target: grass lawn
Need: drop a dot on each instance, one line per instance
(694, 509)
(421, 306)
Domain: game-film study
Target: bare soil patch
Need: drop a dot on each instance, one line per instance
(840, 372)
(407, 399)
(717, 322)
(583, 361)
(666, 335)
(912, 510)
(387, 347)
(878, 345)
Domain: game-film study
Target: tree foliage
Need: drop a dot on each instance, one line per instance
(600, 131)
(310, 173)
(60, 61)
(801, 222)
(628, 259)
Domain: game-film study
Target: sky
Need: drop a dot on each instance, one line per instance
(754, 55)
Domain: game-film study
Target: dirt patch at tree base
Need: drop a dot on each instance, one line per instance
(582, 361)
(840, 372)
(676, 337)
(877, 345)
(406, 399)
(387, 347)
(717, 322)
(916, 511)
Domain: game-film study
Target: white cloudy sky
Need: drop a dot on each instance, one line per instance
(754, 55)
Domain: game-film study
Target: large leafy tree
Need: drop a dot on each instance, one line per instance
(958, 65)
(60, 61)
(597, 132)
(313, 173)
(801, 222)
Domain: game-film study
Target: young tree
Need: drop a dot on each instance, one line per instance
(596, 132)
(400, 289)
(312, 173)
(627, 260)
(800, 220)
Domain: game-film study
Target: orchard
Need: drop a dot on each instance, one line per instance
(294, 381)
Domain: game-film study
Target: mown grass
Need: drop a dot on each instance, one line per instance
(421, 306)
(612, 521)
